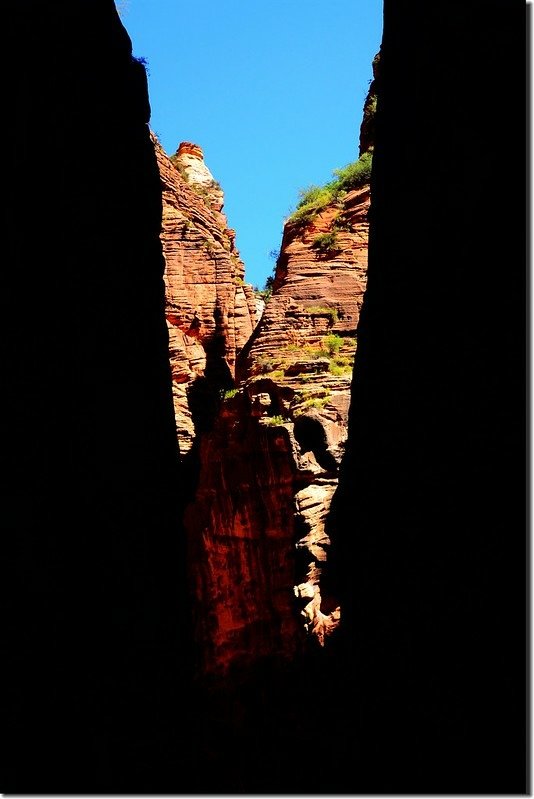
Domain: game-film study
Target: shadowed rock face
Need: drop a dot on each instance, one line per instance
(367, 128)
(241, 532)
(432, 565)
(90, 493)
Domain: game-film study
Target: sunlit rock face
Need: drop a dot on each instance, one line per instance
(189, 158)
(210, 311)
(256, 526)
(305, 345)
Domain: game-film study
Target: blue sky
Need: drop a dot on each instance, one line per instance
(272, 90)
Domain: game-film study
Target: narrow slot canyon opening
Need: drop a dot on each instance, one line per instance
(242, 565)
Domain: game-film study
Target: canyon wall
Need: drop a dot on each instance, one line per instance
(432, 565)
(96, 640)
(426, 689)
(258, 547)
(210, 311)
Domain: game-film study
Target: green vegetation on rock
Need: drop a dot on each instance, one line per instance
(315, 402)
(337, 370)
(266, 291)
(332, 344)
(273, 421)
(315, 198)
(354, 175)
(326, 244)
(323, 310)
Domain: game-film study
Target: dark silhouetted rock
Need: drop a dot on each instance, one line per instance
(430, 514)
(97, 642)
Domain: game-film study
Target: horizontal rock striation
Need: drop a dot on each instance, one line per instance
(258, 548)
(305, 343)
(210, 311)
(315, 293)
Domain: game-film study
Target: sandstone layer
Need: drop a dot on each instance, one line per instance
(258, 548)
(210, 311)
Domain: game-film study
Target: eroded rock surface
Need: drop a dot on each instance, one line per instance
(210, 311)
(305, 344)
(256, 527)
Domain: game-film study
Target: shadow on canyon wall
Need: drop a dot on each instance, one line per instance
(425, 691)
(96, 622)
(430, 512)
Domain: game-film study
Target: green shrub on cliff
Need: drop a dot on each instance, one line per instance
(337, 370)
(313, 402)
(315, 195)
(312, 200)
(326, 244)
(273, 421)
(323, 310)
(266, 291)
(315, 198)
(332, 344)
(354, 175)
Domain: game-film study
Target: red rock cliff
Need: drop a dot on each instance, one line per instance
(210, 311)
(259, 546)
